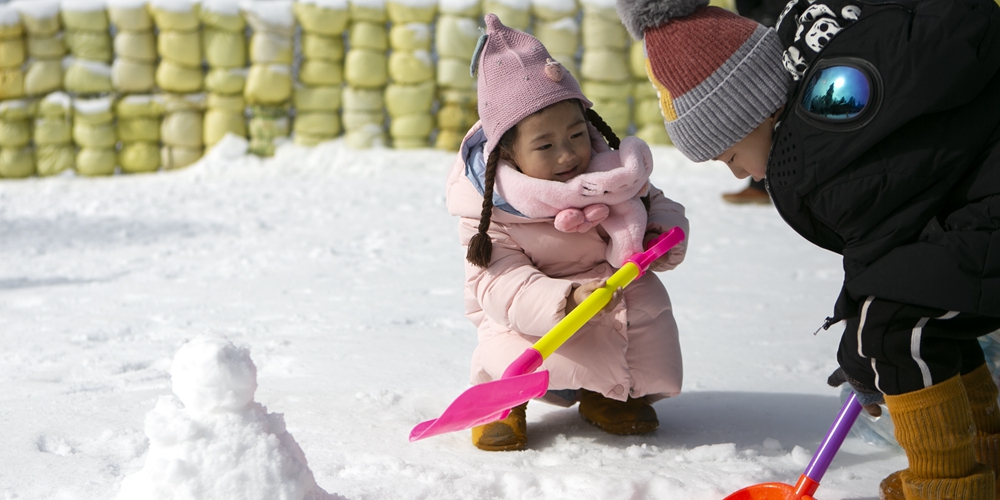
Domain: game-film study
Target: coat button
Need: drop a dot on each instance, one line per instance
(619, 390)
(618, 325)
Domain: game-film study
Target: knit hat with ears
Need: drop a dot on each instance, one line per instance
(517, 77)
(719, 75)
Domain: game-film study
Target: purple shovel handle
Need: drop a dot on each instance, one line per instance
(834, 438)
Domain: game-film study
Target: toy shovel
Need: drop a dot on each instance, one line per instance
(492, 401)
(809, 480)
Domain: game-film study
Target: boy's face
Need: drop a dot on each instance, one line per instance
(553, 144)
(748, 158)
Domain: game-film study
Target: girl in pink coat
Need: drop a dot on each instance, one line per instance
(523, 275)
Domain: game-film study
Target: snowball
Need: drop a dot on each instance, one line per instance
(211, 374)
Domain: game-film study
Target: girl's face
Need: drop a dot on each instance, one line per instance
(553, 144)
(748, 158)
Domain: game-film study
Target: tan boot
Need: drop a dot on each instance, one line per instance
(934, 427)
(982, 392)
(509, 434)
(634, 416)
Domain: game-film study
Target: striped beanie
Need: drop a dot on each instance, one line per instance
(718, 75)
(517, 77)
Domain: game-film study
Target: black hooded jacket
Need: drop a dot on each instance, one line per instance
(909, 192)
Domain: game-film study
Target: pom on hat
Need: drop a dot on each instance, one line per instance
(639, 15)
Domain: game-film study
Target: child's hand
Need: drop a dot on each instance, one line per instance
(581, 292)
(671, 259)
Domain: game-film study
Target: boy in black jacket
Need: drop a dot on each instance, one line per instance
(877, 127)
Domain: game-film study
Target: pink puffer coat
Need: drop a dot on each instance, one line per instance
(633, 351)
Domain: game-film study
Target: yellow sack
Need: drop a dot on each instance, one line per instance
(369, 36)
(130, 16)
(219, 122)
(317, 124)
(369, 136)
(456, 117)
(183, 128)
(317, 98)
(139, 157)
(136, 45)
(271, 17)
(464, 97)
(224, 15)
(410, 142)
(367, 13)
(417, 125)
(601, 29)
(568, 62)
(11, 83)
(411, 12)
(225, 49)
(176, 15)
(181, 47)
(268, 84)
(456, 37)
(461, 8)
(84, 16)
(322, 48)
(401, 100)
(15, 133)
(454, 74)
(173, 77)
(320, 73)
(16, 163)
(47, 47)
(226, 80)
(359, 99)
(234, 103)
(39, 17)
(144, 129)
(616, 113)
(54, 160)
(411, 67)
(87, 77)
(269, 48)
(130, 76)
(320, 20)
(637, 61)
(20, 109)
(410, 37)
(182, 102)
(51, 131)
(94, 111)
(268, 127)
(139, 106)
(309, 140)
(510, 16)
(11, 52)
(604, 90)
(559, 37)
(605, 65)
(644, 89)
(91, 45)
(367, 68)
(554, 10)
(355, 120)
(96, 161)
(449, 140)
(55, 105)
(647, 112)
(88, 135)
(173, 157)
(43, 76)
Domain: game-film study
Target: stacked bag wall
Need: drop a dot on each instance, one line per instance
(366, 73)
(139, 131)
(456, 34)
(45, 47)
(225, 47)
(409, 98)
(317, 96)
(268, 88)
(556, 27)
(94, 132)
(134, 68)
(16, 159)
(53, 134)
(179, 74)
(646, 110)
(606, 78)
(88, 69)
(514, 14)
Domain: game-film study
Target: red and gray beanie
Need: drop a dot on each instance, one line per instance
(718, 75)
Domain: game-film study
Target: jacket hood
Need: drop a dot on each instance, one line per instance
(475, 169)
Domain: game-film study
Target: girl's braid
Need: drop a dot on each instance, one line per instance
(480, 246)
(603, 128)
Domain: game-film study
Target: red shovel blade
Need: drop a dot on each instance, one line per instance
(484, 403)
(766, 491)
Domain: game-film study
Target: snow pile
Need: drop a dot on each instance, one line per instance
(213, 441)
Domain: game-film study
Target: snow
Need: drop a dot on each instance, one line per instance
(83, 5)
(224, 7)
(337, 274)
(38, 9)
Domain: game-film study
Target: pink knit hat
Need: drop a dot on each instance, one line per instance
(517, 77)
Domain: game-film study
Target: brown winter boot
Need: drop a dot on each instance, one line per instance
(982, 392)
(634, 416)
(934, 427)
(509, 434)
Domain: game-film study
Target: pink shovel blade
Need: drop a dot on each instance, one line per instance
(484, 403)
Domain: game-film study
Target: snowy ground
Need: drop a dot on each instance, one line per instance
(340, 270)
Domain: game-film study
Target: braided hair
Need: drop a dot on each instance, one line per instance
(480, 251)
